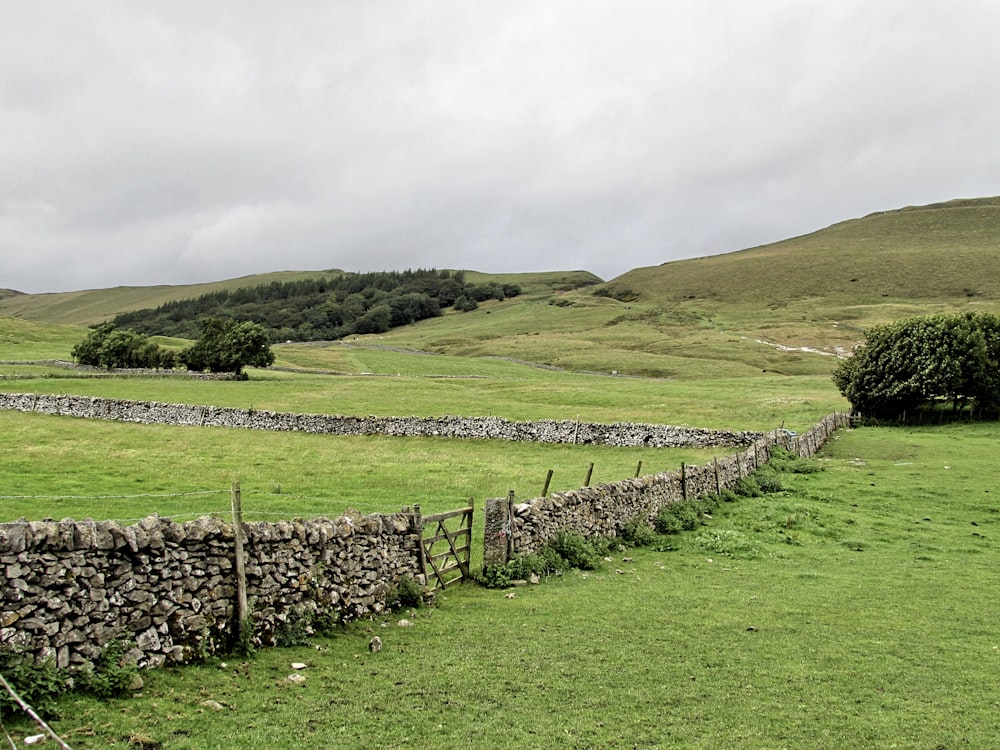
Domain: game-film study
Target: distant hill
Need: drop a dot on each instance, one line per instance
(91, 306)
(773, 309)
(944, 252)
(776, 308)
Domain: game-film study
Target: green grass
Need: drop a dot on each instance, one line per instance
(421, 385)
(863, 613)
(21, 340)
(61, 467)
(856, 607)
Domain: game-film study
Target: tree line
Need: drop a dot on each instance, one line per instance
(324, 308)
(223, 346)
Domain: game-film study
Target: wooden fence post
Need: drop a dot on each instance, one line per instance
(590, 473)
(418, 527)
(510, 524)
(548, 479)
(684, 482)
(638, 469)
(718, 482)
(241, 569)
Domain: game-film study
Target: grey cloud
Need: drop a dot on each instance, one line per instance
(147, 143)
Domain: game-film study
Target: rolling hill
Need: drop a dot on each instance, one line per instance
(777, 308)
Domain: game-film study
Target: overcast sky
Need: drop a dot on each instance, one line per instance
(177, 142)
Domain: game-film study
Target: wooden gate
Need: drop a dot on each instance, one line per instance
(445, 546)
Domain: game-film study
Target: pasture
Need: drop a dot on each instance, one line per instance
(855, 607)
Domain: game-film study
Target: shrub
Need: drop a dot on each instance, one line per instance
(564, 551)
(112, 673)
(786, 461)
(295, 629)
(747, 487)
(667, 523)
(575, 551)
(38, 683)
(406, 594)
(637, 533)
(768, 480)
(244, 641)
(520, 568)
(674, 518)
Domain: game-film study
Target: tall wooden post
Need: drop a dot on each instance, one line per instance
(417, 519)
(510, 524)
(590, 473)
(241, 569)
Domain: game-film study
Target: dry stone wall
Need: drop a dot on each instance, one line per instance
(626, 434)
(602, 510)
(69, 588)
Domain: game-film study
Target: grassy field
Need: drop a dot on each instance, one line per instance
(59, 467)
(762, 403)
(854, 608)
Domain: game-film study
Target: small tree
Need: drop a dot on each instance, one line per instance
(918, 362)
(229, 346)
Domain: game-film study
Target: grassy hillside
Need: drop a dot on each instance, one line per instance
(822, 288)
(784, 308)
(98, 305)
(91, 306)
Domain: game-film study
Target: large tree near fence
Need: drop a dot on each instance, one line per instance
(925, 361)
(229, 346)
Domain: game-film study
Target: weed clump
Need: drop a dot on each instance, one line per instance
(674, 518)
(407, 594)
(575, 551)
(39, 683)
(565, 551)
(784, 460)
(637, 533)
(112, 674)
(728, 542)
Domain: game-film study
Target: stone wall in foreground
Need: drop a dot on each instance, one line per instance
(70, 587)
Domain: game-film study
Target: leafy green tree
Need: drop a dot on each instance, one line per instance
(111, 347)
(229, 346)
(88, 351)
(466, 304)
(320, 308)
(918, 362)
(377, 320)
